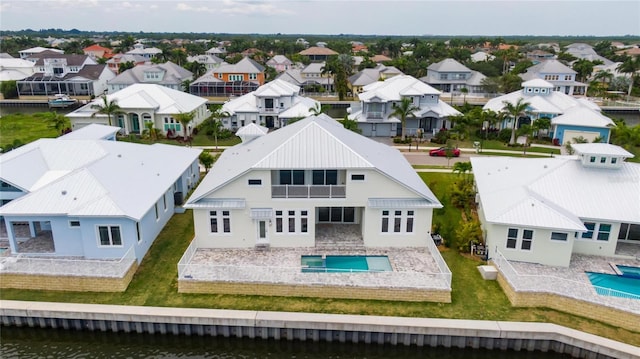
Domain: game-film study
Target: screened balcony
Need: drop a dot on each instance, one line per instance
(308, 184)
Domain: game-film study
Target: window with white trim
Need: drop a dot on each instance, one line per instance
(220, 221)
(255, 182)
(109, 236)
(397, 221)
(156, 209)
(559, 236)
(74, 224)
(589, 233)
(325, 177)
(357, 177)
(512, 238)
(525, 237)
(604, 230)
(292, 221)
(164, 202)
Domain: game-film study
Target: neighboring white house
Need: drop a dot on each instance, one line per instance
(545, 102)
(15, 69)
(311, 78)
(586, 52)
(378, 100)
(481, 56)
(542, 210)
(141, 103)
(451, 76)
(272, 105)
(91, 198)
(77, 76)
(168, 74)
(365, 77)
(277, 189)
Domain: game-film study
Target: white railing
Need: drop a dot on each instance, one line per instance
(295, 275)
(375, 115)
(184, 261)
(308, 191)
(556, 285)
(26, 264)
(437, 257)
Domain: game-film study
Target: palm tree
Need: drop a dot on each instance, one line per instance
(58, 121)
(462, 168)
(515, 111)
(108, 108)
(151, 131)
(403, 110)
(318, 109)
(630, 66)
(185, 119)
(213, 123)
(543, 123)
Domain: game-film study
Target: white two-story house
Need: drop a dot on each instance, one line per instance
(451, 76)
(271, 105)
(560, 75)
(285, 188)
(379, 99)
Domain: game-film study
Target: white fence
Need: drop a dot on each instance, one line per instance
(437, 257)
(184, 261)
(21, 264)
(560, 286)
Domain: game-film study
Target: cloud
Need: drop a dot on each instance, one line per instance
(240, 8)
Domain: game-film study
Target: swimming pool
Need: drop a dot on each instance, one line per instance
(615, 285)
(342, 264)
(628, 271)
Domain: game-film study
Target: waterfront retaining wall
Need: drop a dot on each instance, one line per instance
(67, 283)
(324, 291)
(315, 327)
(609, 315)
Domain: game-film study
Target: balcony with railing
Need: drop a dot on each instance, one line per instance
(375, 115)
(308, 191)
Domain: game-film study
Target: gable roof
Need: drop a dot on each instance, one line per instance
(157, 98)
(394, 88)
(317, 142)
(277, 88)
(555, 193)
(244, 66)
(93, 131)
(173, 74)
(583, 116)
(279, 59)
(549, 67)
(83, 177)
(448, 65)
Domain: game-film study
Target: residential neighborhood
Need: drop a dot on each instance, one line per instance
(325, 169)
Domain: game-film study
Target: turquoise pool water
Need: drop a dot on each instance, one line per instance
(629, 271)
(342, 264)
(618, 285)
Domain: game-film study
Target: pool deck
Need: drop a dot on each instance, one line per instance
(412, 268)
(573, 281)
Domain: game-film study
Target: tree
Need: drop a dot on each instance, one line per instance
(350, 124)
(543, 123)
(207, 160)
(151, 131)
(318, 109)
(464, 92)
(584, 68)
(462, 168)
(515, 111)
(58, 121)
(197, 68)
(124, 66)
(403, 110)
(213, 123)
(108, 108)
(185, 119)
(630, 66)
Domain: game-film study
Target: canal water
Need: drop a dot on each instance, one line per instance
(25, 343)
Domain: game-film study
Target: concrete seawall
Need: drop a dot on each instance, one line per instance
(315, 327)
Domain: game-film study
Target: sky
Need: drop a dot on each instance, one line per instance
(371, 17)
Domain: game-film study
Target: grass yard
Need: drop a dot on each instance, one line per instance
(155, 284)
(24, 128)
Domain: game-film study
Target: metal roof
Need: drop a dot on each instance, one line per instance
(220, 203)
(393, 88)
(583, 116)
(553, 102)
(244, 66)
(85, 177)
(261, 213)
(173, 74)
(555, 193)
(448, 65)
(94, 131)
(602, 149)
(317, 142)
(392, 203)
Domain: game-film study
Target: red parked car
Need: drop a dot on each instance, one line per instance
(442, 152)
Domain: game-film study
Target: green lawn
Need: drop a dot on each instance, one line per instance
(24, 128)
(155, 284)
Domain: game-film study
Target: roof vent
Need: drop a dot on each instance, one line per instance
(119, 155)
(64, 192)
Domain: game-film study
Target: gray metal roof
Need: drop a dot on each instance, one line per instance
(317, 142)
(448, 65)
(173, 74)
(244, 66)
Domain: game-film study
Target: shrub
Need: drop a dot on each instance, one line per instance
(504, 135)
(441, 137)
(407, 140)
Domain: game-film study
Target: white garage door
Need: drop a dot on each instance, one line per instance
(589, 136)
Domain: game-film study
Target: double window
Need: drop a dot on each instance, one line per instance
(337, 214)
(220, 221)
(397, 221)
(295, 177)
(515, 235)
(325, 177)
(599, 231)
(110, 236)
